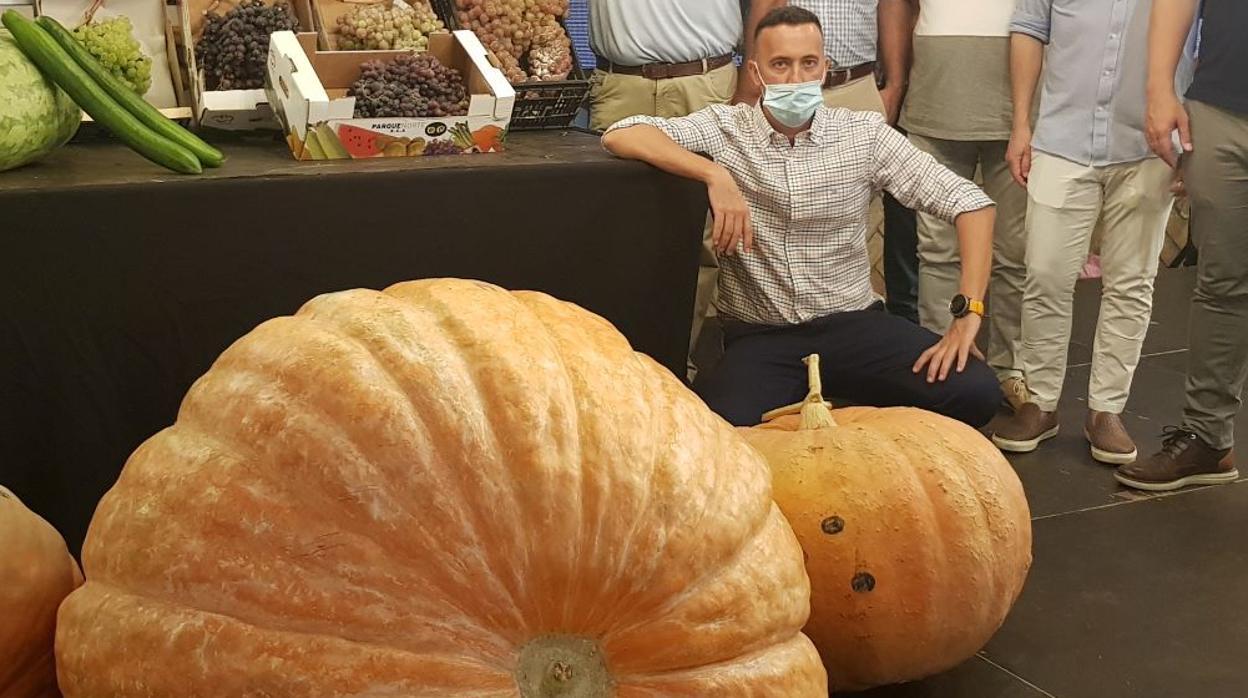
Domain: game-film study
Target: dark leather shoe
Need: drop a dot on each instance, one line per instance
(1023, 431)
(1184, 460)
(1108, 438)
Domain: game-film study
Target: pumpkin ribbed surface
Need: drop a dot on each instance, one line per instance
(917, 535)
(443, 489)
(36, 574)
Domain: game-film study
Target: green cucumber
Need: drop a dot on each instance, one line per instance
(44, 52)
(126, 97)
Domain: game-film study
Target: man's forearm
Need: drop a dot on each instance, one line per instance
(975, 245)
(1167, 32)
(896, 31)
(1026, 59)
(649, 144)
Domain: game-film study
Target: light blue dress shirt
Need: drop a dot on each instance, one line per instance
(1092, 104)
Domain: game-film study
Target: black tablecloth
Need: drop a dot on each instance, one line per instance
(120, 284)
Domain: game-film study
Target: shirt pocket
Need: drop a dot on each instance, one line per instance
(830, 190)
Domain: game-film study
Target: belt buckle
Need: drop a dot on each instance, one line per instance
(833, 72)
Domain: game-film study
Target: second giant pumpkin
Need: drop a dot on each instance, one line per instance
(916, 530)
(444, 489)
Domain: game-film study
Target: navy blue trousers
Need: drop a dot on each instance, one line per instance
(865, 357)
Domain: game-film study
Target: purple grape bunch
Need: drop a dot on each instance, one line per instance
(234, 47)
(412, 85)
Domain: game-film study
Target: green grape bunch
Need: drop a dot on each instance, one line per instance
(403, 26)
(112, 43)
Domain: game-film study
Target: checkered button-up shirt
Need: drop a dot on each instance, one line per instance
(808, 204)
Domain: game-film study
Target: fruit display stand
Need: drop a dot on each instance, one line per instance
(308, 88)
(233, 110)
(121, 282)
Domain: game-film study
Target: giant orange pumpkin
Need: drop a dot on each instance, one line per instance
(443, 489)
(916, 531)
(36, 574)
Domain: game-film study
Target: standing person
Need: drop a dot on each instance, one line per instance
(667, 59)
(1213, 136)
(1091, 161)
(959, 109)
(867, 42)
(796, 275)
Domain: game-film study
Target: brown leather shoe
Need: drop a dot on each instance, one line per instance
(1023, 432)
(1184, 460)
(1109, 438)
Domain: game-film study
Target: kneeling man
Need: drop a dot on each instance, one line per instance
(789, 182)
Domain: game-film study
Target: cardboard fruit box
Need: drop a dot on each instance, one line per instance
(152, 28)
(233, 110)
(308, 90)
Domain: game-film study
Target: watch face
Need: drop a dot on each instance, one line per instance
(958, 305)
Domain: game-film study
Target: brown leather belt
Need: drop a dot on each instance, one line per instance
(840, 76)
(663, 71)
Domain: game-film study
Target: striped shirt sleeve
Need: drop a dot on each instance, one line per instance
(700, 132)
(918, 181)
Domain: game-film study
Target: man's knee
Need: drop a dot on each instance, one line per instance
(974, 395)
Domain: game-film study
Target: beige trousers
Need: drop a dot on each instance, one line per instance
(614, 97)
(855, 95)
(940, 266)
(1066, 200)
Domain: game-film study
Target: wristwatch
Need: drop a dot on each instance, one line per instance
(961, 305)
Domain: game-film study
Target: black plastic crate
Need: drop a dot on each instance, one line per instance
(539, 104)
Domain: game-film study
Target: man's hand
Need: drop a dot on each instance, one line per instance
(1165, 114)
(892, 103)
(954, 348)
(1018, 154)
(731, 213)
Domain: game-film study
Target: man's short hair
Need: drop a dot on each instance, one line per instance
(789, 15)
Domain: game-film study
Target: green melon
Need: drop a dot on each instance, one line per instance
(36, 117)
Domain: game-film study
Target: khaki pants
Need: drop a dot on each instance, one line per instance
(855, 95)
(614, 97)
(1066, 199)
(1216, 173)
(940, 266)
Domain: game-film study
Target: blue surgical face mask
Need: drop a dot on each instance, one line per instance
(793, 104)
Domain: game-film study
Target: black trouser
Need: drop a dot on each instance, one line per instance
(866, 358)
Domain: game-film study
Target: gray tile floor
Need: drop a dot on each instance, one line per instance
(1130, 596)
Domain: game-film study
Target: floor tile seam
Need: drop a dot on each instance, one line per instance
(984, 656)
(1147, 498)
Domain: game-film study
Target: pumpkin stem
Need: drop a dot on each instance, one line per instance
(815, 411)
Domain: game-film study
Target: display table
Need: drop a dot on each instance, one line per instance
(121, 283)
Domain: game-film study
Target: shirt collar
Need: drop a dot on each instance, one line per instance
(766, 134)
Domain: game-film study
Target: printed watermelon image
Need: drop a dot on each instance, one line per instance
(360, 142)
(36, 117)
